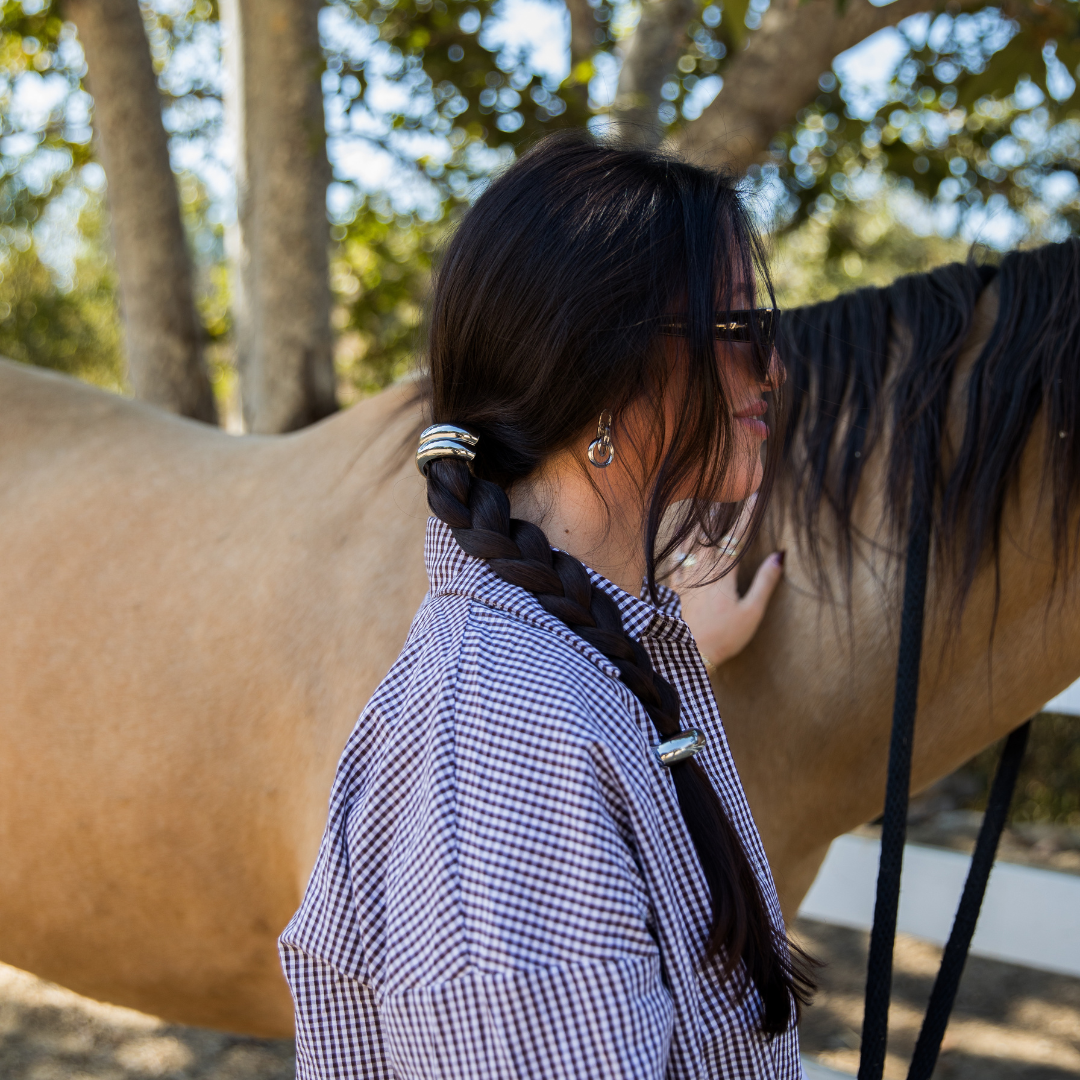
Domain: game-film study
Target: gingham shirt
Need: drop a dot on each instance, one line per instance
(506, 888)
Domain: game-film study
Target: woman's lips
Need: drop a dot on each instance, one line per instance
(750, 418)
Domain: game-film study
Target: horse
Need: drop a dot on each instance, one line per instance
(959, 390)
(192, 622)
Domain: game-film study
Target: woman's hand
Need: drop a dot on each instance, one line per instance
(721, 621)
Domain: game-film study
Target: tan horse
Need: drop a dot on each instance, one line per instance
(191, 623)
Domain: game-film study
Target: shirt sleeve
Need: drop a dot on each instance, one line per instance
(484, 915)
(338, 1031)
(608, 1020)
(581, 1001)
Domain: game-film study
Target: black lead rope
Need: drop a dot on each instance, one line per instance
(894, 833)
(967, 914)
(894, 825)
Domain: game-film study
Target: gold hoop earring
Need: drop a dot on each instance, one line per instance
(602, 449)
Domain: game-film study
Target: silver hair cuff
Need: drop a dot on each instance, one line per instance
(444, 441)
(680, 747)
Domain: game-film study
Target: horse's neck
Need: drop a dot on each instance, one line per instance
(808, 705)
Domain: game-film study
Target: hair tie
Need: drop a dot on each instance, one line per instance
(444, 441)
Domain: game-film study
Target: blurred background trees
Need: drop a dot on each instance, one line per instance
(260, 187)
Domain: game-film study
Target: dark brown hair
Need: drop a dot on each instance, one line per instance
(546, 311)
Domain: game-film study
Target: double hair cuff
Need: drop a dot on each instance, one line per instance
(444, 441)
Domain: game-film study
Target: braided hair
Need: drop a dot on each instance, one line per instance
(544, 313)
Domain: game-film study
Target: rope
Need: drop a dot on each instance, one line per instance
(894, 825)
(894, 832)
(967, 914)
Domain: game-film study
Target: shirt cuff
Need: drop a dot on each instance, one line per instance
(609, 1020)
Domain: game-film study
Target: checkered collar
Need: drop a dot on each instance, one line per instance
(451, 571)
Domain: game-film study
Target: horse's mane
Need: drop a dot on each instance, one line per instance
(840, 353)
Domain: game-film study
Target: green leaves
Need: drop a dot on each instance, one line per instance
(379, 273)
(455, 87)
(983, 106)
(35, 48)
(1037, 26)
(74, 329)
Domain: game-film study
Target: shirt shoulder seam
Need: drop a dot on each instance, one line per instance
(476, 974)
(560, 632)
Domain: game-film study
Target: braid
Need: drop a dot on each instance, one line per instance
(478, 513)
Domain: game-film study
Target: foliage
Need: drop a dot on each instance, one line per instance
(71, 326)
(213, 294)
(459, 86)
(379, 273)
(74, 329)
(1048, 790)
(448, 85)
(979, 115)
(453, 85)
(981, 112)
(40, 143)
(185, 45)
(856, 245)
(712, 39)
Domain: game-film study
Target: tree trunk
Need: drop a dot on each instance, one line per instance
(650, 59)
(583, 26)
(281, 270)
(163, 330)
(777, 73)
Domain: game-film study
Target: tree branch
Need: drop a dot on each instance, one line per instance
(649, 60)
(163, 330)
(777, 73)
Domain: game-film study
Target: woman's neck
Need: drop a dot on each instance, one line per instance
(599, 525)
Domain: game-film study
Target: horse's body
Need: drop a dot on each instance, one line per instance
(192, 622)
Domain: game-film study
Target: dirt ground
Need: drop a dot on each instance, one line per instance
(1010, 1024)
(47, 1033)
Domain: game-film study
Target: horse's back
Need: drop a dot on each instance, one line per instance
(191, 623)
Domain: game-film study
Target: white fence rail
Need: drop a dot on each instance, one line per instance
(1029, 916)
(1068, 701)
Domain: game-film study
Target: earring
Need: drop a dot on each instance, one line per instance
(602, 449)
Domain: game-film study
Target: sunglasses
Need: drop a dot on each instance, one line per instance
(730, 325)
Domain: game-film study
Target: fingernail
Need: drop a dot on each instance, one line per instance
(779, 557)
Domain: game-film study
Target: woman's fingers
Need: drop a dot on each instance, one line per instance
(722, 623)
(761, 588)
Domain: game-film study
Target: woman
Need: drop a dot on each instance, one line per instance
(539, 861)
